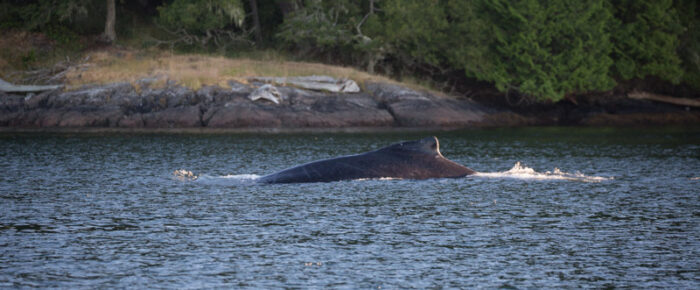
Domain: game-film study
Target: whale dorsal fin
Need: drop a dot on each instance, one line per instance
(429, 145)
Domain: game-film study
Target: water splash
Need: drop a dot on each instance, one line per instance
(238, 176)
(189, 176)
(230, 179)
(520, 171)
(184, 175)
(378, 178)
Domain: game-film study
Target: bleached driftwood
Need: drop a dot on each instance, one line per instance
(266, 92)
(12, 88)
(318, 83)
(664, 99)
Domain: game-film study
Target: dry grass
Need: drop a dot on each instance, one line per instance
(195, 71)
(20, 51)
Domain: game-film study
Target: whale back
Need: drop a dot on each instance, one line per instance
(419, 159)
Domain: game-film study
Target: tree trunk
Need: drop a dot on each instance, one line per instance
(256, 22)
(110, 35)
(287, 6)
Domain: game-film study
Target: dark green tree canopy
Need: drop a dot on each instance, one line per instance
(542, 49)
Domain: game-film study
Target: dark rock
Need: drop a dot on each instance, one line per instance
(131, 121)
(240, 88)
(48, 118)
(91, 96)
(339, 119)
(356, 110)
(11, 103)
(507, 119)
(25, 119)
(642, 119)
(37, 101)
(242, 115)
(435, 113)
(205, 95)
(107, 117)
(8, 118)
(180, 117)
(412, 108)
(152, 104)
(167, 97)
(389, 93)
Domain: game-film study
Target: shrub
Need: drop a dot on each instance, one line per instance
(646, 38)
(203, 22)
(546, 49)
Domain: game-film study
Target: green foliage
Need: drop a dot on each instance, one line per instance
(203, 22)
(469, 39)
(417, 29)
(544, 49)
(548, 49)
(62, 35)
(37, 15)
(689, 47)
(646, 37)
(200, 17)
(29, 58)
(320, 25)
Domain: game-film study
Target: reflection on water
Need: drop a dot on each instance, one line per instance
(110, 210)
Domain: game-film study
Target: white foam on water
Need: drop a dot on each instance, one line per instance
(239, 176)
(188, 176)
(184, 175)
(520, 171)
(378, 178)
(230, 179)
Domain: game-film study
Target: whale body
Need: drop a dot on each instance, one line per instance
(419, 159)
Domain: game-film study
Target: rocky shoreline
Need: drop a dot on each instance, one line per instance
(154, 104)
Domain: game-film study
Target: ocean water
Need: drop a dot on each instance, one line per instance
(549, 208)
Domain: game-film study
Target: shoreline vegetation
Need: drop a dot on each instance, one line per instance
(157, 103)
(173, 64)
(126, 90)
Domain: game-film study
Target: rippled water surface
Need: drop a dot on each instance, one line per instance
(582, 208)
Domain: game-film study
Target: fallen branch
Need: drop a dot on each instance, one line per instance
(49, 75)
(664, 99)
(11, 88)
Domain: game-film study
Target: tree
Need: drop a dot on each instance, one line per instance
(689, 47)
(646, 39)
(256, 21)
(37, 15)
(545, 49)
(416, 30)
(110, 35)
(319, 26)
(204, 22)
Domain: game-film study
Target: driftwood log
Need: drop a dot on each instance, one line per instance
(12, 88)
(664, 99)
(318, 83)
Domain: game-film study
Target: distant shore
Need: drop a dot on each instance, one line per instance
(152, 105)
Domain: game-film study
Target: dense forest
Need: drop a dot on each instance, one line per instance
(534, 49)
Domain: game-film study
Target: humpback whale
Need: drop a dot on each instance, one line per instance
(419, 159)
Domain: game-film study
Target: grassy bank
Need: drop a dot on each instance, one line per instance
(196, 70)
(23, 54)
